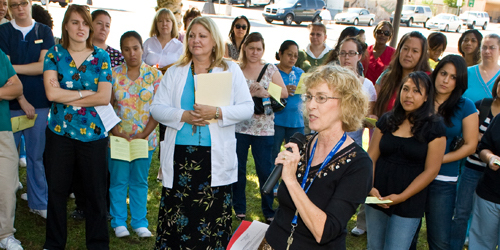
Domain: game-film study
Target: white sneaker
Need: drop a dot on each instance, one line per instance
(11, 243)
(143, 232)
(42, 213)
(121, 231)
(24, 196)
(20, 186)
(22, 162)
(357, 231)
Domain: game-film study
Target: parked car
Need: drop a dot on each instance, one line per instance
(297, 11)
(355, 16)
(414, 14)
(445, 22)
(62, 3)
(249, 3)
(475, 18)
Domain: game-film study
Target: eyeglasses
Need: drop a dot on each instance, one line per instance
(243, 27)
(319, 98)
(383, 32)
(350, 53)
(485, 48)
(16, 5)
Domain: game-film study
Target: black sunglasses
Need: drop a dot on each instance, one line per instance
(384, 32)
(243, 27)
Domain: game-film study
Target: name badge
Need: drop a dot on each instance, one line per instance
(38, 41)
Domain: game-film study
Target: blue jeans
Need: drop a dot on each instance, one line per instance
(484, 233)
(386, 232)
(35, 145)
(439, 213)
(463, 208)
(22, 148)
(280, 134)
(134, 177)
(261, 151)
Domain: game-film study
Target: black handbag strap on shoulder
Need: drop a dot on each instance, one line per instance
(262, 72)
(484, 109)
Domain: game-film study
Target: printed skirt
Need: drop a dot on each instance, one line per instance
(194, 215)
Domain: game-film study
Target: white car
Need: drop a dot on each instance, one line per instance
(475, 18)
(355, 16)
(445, 22)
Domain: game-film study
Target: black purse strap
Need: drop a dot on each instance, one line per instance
(484, 109)
(262, 72)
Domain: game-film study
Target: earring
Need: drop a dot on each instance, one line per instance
(213, 49)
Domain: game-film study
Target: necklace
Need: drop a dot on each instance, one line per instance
(78, 50)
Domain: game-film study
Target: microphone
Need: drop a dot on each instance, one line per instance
(274, 177)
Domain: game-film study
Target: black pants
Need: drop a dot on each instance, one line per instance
(62, 157)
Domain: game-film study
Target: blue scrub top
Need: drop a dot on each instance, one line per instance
(291, 116)
(26, 50)
(185, 136)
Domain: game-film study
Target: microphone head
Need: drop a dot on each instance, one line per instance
(298, 139)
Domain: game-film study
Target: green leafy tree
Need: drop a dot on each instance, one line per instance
(453, 3)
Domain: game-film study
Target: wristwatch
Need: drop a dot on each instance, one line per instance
(217, 114)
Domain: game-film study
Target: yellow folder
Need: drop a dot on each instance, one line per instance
(124, 150)
(22, 122)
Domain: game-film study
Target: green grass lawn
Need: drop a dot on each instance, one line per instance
(31, 227)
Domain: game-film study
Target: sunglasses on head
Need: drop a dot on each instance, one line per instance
(384, 32)
(243, 27)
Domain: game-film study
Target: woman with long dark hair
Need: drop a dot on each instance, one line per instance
(472, 171)
(461, 120)
(240, 28)
(411, 55)
(469, 46)
(407, 148)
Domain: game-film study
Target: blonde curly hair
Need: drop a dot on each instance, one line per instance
(354, 101)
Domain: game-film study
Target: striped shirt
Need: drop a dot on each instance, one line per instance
(473, 161)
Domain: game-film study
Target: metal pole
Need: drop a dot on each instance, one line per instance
(396, 21)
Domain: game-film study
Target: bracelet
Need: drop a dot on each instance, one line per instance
(80, 93)
(217, 113)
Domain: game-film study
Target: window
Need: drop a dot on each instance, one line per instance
(420, 10)
(428, 9)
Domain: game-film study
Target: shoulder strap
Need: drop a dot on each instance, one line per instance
(37, 26)
(484, 109)
(262, 72)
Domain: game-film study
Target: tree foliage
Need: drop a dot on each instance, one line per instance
(453, 3)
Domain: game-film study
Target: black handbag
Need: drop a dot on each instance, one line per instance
(456, 143)
(259, 106)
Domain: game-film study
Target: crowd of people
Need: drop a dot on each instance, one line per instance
(432, 152)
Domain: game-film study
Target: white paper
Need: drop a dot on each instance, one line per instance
(252, 237)
(108, 116)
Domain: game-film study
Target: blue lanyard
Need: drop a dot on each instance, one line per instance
(325, 162)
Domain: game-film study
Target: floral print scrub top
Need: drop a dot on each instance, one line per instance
(79, 123)
(132, 99)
